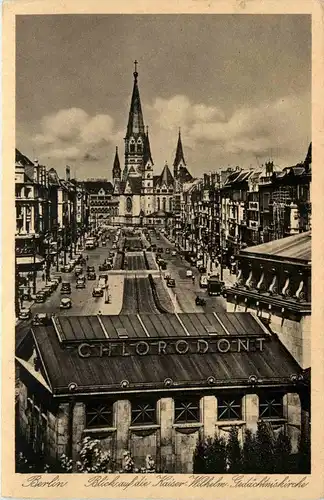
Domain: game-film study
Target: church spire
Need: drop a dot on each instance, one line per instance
(179, 153)
(116, 167)
(147, 156)
(135, 119)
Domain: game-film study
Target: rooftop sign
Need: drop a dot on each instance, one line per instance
(168, 347)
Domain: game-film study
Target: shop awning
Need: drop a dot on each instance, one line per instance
(115, 354)
(29, 260)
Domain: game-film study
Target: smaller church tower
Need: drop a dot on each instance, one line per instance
(179, 160)
(116, 171)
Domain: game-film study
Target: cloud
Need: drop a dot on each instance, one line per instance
(68, 133)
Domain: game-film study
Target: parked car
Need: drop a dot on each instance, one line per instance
(215, 286)
(25, 292)
(90, 269)
(171, 283)
(57, 277)
(160, 250)
(104, 266)
(167, 250)
(67, 268)
(103, 243)
(80, 284)
(112, 254)
(167, 276)
(202, 269)
(51, 285)
(92, 276)
(40, 319)
(174, 253)
(189, 273)
(66, 303)
(66, 287)
(40, 297)
(45, 291)
(24, 313)
(203, 281)
(97, 292)
(163, 264)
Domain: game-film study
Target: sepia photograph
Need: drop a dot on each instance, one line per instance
(163, 244)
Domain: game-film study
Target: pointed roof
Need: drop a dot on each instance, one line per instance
(147, 156)
(308, 159)
(116, 167)
(179, 153)
(166, 177)
(135, 120)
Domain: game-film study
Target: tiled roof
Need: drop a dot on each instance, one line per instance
(165, 178)
(58, 347)
(22, 159)
(93, 187)
(293, 248)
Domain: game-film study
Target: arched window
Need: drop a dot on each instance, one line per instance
(164, 205)
(158, 204)
(132, 147)
(139, 147)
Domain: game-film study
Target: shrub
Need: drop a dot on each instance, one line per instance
(282, 453)
(210, 456)
(250, 453)
(265, 449)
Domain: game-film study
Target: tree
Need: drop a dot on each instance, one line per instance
(282, 453)
(304, 455)
(234, 452)
(250, 453)
(265, 449)
(210, 456)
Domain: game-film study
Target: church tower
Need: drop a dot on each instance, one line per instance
(135, 135)
(179, 160)
(116, 171)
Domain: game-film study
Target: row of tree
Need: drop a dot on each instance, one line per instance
(261, 452)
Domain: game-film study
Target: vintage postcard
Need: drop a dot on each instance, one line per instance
(162, 249)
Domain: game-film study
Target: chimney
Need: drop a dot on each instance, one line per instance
(67, 173)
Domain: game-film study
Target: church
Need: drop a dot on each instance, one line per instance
(145, 198)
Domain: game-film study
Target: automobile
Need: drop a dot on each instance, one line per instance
(153, 247)
(160, 250)
(67, 268)
(25, 292)
(66, 303)
(78, 270)
(112, 254)
(203, 281)
(202, 269)
(114, 246)
(24, 313)
(90, 269)
(167, 250)
(174, 253)
(40, 297)
(92, 276)
(40, 319)
(82, 277)
(200, 301)
(103, 243)
(66, 287)
(189, 273)
(163, 264)
(80, 284)
(171, 283)
(97, 292)
(50, 287)
(167, 276)
(103, 277)
(45, 291)
(157, 236)
(215, 286)
(104, 267)
(56, 281)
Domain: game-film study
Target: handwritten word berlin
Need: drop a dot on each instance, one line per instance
(165, 347)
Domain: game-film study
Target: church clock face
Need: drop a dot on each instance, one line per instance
(129, 204)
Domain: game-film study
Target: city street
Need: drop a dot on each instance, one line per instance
(186, 291)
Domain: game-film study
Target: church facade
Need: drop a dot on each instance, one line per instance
(144, 198)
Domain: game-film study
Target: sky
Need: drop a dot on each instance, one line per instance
(238, 86)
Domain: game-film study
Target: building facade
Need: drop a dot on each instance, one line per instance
(123, 391)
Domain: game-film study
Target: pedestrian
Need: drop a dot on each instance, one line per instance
(87, 257)
(43, 277)
(193, 279)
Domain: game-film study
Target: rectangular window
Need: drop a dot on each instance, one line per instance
(144, 413)
(99, 415)
(229, 408)
(187, 411)
(271, 406)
